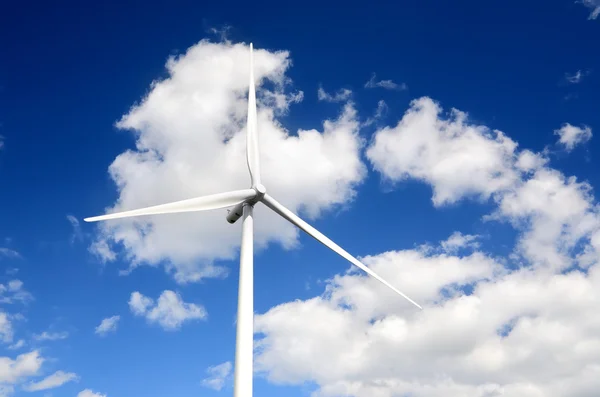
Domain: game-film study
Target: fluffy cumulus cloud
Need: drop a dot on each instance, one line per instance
(457, 159)
(170, 311)
(190, 141)
(217, 376)
(14, 371)
(570, 135)
(107, 325)
(55, 380)
(524, 325)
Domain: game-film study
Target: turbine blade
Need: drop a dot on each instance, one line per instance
(252, 154)
(214, 201)
(311, 231)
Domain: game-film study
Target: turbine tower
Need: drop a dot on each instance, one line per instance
(243, 202)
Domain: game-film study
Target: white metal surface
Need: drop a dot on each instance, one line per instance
(204, 203)
(245, 316)
(252, 151)
(311, 231)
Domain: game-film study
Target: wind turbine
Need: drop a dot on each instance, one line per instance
(243, 202)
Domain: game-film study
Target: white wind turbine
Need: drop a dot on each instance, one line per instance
(243, 202)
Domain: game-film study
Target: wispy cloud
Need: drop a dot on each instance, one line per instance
(6, 329)
(107, 325)
(381, 110)
(218, 375)
(77, 233)
(170, 311)
(221, 32)
(13, 291)
(17, 345)
(593, 5)
(57, 379)
(387, 84)
(50, 336)
(340, 96)
(9, 253)
(577, 77)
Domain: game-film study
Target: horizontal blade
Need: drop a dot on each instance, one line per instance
(252, 151)
(214, 201)
(295, 219)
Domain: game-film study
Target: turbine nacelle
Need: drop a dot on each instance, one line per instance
(236, 212)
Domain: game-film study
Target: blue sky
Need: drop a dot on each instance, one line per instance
(511, 221)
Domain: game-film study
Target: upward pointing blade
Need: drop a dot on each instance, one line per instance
(252, 154)
(295, 219)
(214, 201)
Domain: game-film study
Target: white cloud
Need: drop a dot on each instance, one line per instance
(13, 291)
(457, 159)
(50, 336)
(170, 311)
(1, 142)
(22, 367)
(342, 95)
(6, 329)
(17, 345)
(191, 141)
(90, 393)
(576, 77)
(9, 253)
(570, 135)
(593, 5)
(381, 110)
(218, 375)
(387, 84)
(77, 232)
(55, 380)
(357, 340)
(107, 325)
(103, 251)
(458, 240)
(527, 161)
(486, 330)
(553, 213)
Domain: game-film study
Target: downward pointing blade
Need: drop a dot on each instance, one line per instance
(252, 154)
(214, 201)
(293, 218)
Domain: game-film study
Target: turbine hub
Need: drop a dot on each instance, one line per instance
(260, 190)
